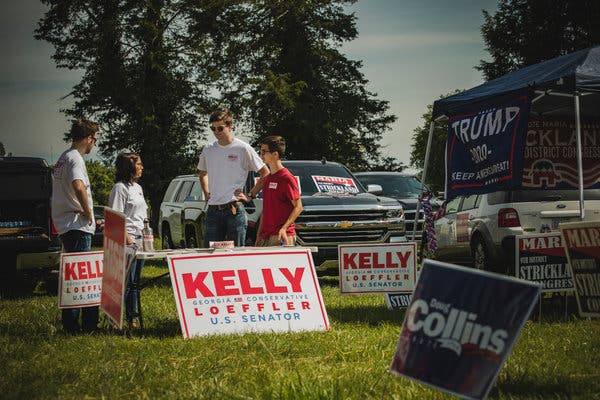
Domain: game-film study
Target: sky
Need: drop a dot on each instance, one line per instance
(412, 52)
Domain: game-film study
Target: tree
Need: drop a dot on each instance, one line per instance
(436, 168)
(2, 150)
(293, 81)
(525, 32)
(102, 179)
(143, 80)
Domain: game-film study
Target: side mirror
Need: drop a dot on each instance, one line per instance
(377, 190)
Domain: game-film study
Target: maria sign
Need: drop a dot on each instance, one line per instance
(247, 291)
(460, 327)
(582, 244)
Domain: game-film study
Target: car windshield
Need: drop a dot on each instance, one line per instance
(325, 178)
(397, 186)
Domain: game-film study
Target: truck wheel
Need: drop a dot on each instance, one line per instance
(167, 243)
(481, 257)
(191, 241)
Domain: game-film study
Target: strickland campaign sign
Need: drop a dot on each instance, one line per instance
(582, 244)
(115, 266)
(551, 154)
(460, 327)
(484, 151)
(80, 282)
(334, 184)
(247, 291)
(541, 258)
(381, 268)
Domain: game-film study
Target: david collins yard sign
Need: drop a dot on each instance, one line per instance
(460, 327)
(113, 279)
(383, 268)
(80, 282)
(582, 244)
(541, 258)
(247, 291)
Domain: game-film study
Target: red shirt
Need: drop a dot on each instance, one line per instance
(279, 189)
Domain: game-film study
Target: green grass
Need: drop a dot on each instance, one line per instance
(552, 359)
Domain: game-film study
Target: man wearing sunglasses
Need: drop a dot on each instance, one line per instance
(223, 168)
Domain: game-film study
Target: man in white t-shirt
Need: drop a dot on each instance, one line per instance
(223, 168)
(72, 210)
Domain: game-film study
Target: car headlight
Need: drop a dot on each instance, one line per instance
(395, 213)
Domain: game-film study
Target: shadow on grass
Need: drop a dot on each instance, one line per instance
(372, 315)
(568, 387)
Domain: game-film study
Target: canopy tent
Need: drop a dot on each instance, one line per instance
(568, 85)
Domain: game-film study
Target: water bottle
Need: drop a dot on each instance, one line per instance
(148, 237)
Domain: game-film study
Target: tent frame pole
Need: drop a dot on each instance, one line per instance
(424, 172)
(579, 155)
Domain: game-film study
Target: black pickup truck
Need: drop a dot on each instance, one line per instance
(27, 239)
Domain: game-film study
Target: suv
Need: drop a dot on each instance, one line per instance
(336, 210)
(182, 213)
(406, 189)
(481, 229)
(28, 240)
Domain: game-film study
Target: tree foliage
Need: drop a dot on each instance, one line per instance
(525, 32)
(102, 179)
(295, 82)
(142, 81)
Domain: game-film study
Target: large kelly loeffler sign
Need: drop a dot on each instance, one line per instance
(378, 268)
(582, 244)
(460, 326)
(80, 281)
(247, 291)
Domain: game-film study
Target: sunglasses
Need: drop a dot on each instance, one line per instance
(263, 152)
(95, 139)
(218, 128)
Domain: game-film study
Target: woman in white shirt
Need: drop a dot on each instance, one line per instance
(127, 197)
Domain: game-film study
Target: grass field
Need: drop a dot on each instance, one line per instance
(553, 359)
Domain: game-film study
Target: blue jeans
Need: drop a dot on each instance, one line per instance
(223, 225)
(78, 241)
(132, 291)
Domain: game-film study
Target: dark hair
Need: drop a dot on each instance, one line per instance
(82, 128)
(275, 143)
(223, 114)
(125, 165)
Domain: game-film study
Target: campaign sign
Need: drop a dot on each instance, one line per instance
(582, 244)
(334, 184)
(115, 266)
(247, 291)
(485, 146)
(80, 281)
(541, 258)
(460, 326)
(397, 301)
(377, 268)
(551, 153)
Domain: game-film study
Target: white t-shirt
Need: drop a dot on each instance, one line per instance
(128, 198)
(227, 168)
(66, 210)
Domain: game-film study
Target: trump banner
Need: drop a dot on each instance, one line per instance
(582, 244)
(115, 266)
(80, 281)
(274, 290)
(541, 258)
(460, 327)
(484, 150)
(377, 268)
